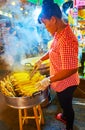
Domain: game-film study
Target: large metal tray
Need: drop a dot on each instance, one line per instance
(27, 102)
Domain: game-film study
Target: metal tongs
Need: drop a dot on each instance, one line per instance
(33, 72)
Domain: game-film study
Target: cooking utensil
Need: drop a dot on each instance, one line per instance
(33, 72)
(28, 67)
(44, 68)
(32, 68)
(27, 102)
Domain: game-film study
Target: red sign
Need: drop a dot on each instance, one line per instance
(79, 3)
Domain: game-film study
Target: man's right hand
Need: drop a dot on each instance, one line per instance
(37, 64)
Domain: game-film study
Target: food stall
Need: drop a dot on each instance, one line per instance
(22, 49)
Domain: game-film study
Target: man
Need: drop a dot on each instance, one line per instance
(63, 56)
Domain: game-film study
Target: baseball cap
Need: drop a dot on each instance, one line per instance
(48, 10)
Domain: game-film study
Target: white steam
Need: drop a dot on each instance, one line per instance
(25, 38)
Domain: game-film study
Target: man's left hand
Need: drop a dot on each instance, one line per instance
(44, 83)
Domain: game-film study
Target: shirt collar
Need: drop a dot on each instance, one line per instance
(58, 35)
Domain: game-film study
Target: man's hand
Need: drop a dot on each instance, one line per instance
(37, 64)
(44, 83)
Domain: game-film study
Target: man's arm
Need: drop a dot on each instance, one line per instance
(45, 57)
(62, 75)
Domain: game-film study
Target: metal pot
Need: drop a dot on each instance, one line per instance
(27, 102)
(43, 69)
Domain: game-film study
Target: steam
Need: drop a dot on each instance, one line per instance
(25, 37)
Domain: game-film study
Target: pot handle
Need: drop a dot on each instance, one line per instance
(37, 93)
(28, 64)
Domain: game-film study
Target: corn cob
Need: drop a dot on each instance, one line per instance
(21, 85)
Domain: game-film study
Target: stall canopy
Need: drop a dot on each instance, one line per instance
(40, 1)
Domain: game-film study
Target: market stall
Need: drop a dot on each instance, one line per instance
(24, 44)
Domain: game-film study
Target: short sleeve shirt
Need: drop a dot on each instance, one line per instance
(63, 55)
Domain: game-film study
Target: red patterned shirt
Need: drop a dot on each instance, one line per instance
(63, 55)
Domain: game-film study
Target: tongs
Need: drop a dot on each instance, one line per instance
(33, 72)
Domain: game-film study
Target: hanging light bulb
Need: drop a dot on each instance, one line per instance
(13, 3)
(21, 8)
(1, 12)
(10, 15)
(25, 12)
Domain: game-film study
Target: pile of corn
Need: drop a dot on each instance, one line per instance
(19, 84)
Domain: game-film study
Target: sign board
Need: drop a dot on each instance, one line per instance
(75, 12)
(79, 3)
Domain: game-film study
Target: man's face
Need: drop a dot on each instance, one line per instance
(50, 25)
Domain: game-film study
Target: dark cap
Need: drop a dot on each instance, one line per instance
(49, 10)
